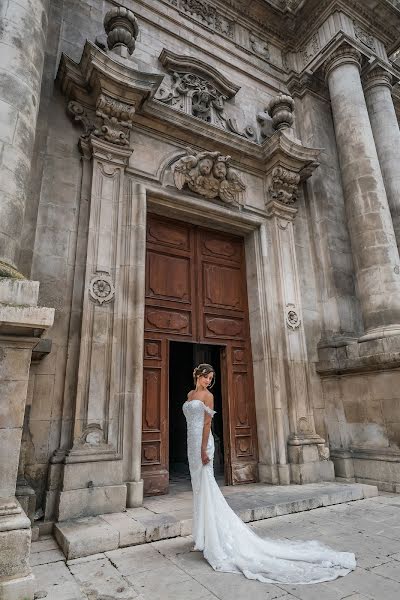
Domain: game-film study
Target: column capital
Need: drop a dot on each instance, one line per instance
(377, 76)
(344, 54)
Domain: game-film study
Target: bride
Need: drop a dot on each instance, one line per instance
(227, 543)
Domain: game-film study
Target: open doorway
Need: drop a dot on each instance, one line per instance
(183, 358)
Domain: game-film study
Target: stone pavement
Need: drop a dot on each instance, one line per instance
(169, 516)
(167, 570)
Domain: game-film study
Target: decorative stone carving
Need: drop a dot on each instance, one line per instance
(281, 109)
(284, 185)
(259, 47)
(115, 119)
(311, 49)
(364, 37)
(207, 15)
(101, 287)
(293, 321)
(106, 107)
(200, 91)
(209, 174)
(122, 29)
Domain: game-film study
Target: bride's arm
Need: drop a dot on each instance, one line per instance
(206, 430)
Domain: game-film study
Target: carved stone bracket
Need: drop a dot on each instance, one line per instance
(103, 94)
(284, 185)
(210, 175)
(288, 163)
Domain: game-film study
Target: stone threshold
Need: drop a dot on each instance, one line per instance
(169, 516)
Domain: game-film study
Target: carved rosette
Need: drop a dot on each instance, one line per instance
(284, 185)
(101, 288)
(281, 109)
(210, 175)
(122, 29)
(293, 320)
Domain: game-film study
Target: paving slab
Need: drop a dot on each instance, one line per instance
(170, 516)
(167, 569)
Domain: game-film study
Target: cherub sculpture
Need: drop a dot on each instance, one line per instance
(210, 175)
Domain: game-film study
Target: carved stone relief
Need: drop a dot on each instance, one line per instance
(293, 320)
(210, 175)
(101, 288)
(199, 97)
(364, 37)
(207, 15)
(113, 123)
(259, 47)
(311, 49)
(284, 185)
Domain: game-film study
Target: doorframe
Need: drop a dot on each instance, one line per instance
(224, 400)
(264, 319)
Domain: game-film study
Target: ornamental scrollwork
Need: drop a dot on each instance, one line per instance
(101, 288)
(112, 122)
(199, 98)
(210, 175)
(284, 185)
(364, 37)
(207, 15)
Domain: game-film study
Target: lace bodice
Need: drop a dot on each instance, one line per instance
(229, 545)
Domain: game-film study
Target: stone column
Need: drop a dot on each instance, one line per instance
(21, 324)
(23, 24)
(385, 127)
(374, 248)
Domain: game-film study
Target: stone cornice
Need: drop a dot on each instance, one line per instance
(97, 72)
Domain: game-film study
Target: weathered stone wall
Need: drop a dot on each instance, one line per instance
(51, 249)
(54, 254)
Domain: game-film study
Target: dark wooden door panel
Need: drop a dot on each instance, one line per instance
(196, 291)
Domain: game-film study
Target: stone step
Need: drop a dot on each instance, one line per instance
(170, 516)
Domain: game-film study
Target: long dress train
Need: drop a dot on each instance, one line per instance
(229, 545)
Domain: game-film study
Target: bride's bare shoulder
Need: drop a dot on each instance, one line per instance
(209, 400)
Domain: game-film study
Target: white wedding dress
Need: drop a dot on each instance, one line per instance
(229, 545)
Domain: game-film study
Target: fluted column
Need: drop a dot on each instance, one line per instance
(374, 248)
(385, 127)
(23, 25)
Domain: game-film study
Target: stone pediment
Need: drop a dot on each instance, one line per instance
(199, 90)
(189, 64)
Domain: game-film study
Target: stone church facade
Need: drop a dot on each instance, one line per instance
(188, 180)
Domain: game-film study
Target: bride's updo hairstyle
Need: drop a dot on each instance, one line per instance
(202, 370)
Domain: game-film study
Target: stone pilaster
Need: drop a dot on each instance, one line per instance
(287, 165)
(23, 24)
(21, 324)
(100, 466)
(385, 128)
(374, 248)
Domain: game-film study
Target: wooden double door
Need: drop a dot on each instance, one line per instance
(196, 292)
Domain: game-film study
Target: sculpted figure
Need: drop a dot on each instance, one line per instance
(209, 174)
